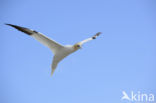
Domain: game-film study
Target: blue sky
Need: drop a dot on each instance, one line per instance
(121, 59)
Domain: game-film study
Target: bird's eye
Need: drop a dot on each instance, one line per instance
(78, 45)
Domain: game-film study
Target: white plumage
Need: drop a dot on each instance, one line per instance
(58, 50)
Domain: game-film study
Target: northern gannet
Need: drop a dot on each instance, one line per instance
(59, 51)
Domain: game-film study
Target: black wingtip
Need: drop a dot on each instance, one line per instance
(22, 29)
(7, 24)
(10, 25)
(97, 34)
(15, 26)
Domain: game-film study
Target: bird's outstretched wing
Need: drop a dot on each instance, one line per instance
(91, 38)
(53, 45)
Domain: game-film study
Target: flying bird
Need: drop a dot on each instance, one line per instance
(59, 51)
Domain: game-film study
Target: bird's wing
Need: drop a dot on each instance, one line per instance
(91, 38)
(53, 45)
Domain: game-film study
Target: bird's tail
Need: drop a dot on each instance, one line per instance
(52, 72)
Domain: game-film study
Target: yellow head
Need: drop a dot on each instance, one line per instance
(77, 46)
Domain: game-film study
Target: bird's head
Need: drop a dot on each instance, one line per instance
(77, 46)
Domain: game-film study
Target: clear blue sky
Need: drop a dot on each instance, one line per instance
(122, 58)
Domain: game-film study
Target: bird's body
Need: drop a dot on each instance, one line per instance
(61, 54)
(59, 51)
